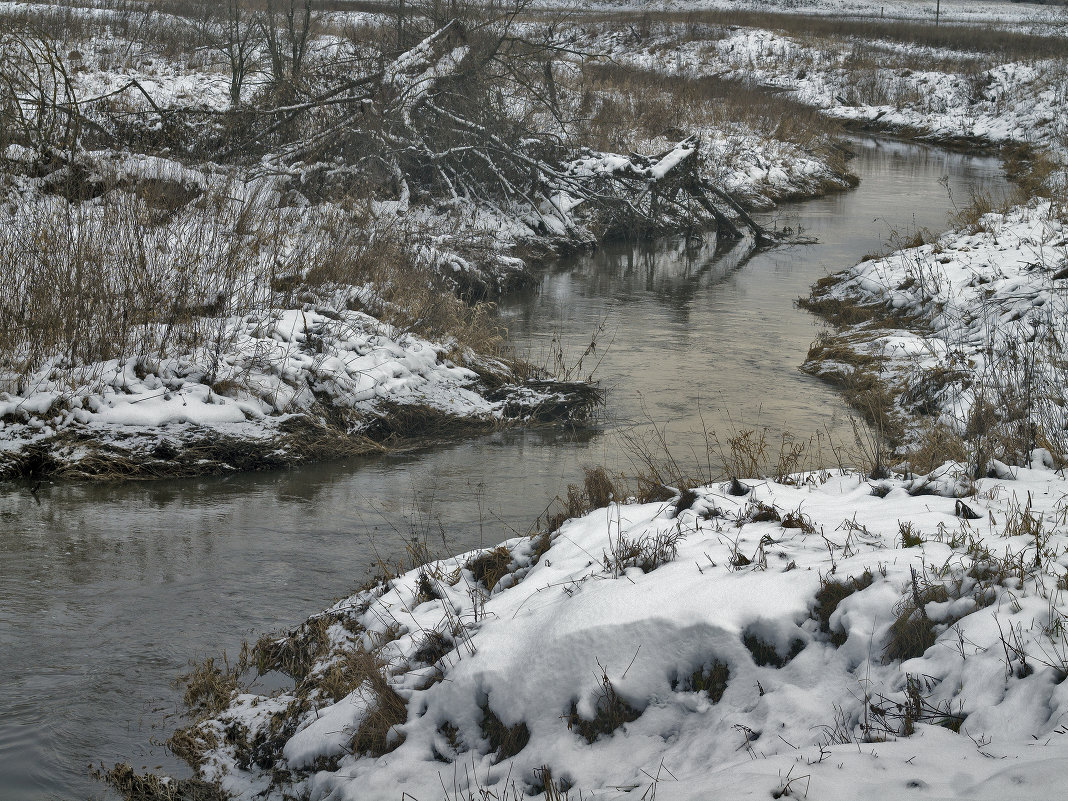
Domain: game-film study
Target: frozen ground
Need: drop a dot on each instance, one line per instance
(823, 636)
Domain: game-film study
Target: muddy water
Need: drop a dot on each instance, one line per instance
(106, 592)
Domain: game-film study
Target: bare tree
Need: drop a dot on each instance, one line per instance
(239, 43)
(286, 28)
(38, 105)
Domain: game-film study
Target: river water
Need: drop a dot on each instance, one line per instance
(106, 592)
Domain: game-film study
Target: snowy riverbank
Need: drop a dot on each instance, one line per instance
(963, 337)
(818, 635)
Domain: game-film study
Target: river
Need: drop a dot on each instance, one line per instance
(107, 591)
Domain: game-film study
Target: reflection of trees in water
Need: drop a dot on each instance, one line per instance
(572, 297)
(673, 272)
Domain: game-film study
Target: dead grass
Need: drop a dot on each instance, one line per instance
(543, 541)
(345, 674)
(504, 741)
(628, 106)
(766, 654)
(376, 735)
(711, 678)
(981, 39)
(840, 312)
(149, 787)
(295, 653)
(191, 744)
(425, 589)
(891, 718)
(598, 490)
(611, 713)
(646, 553)
(830, 594)
(209, 687)
(912, 632)
(911, 537)
(490, 566)
(935, 445)
(433, 647)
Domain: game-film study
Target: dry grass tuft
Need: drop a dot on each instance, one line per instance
(505, 741)
(599, 488)
(912, 631)
(830, 594)
(711, 678)
(911, 537)
(149, 787)
(208, 687)
(293, 654)
(612, 712)
(542, 543)
(376, 736)
(191, 745)
(760, 512)
(490, 566)
(345, 674)
(935, 445)
(433, 647)
(645, 553)
(425, 589)
(765, 653)
(685, 501)
(840, 312)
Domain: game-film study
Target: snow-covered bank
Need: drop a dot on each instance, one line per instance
(937, 94)
(814, 637)
(964, 335)
(286, 386)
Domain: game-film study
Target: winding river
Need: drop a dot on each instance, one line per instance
(107, 591)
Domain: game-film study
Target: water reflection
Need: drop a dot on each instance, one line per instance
(106, 591)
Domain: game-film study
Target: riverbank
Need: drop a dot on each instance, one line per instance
(953, 348)
(968, 89)
(923, 617)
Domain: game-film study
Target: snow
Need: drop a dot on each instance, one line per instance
(280, 363)
(543, 642)
(416, 72)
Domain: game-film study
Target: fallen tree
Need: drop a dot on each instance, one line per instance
(471, 114)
